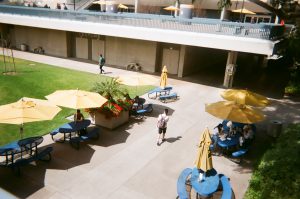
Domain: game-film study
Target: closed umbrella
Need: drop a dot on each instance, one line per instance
(244, 97)
(27, 110)
(204, 158)
(163, 78)
(243, 11)
(76, 99)
(228, 110)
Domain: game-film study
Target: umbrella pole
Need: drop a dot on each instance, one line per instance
(21, 130)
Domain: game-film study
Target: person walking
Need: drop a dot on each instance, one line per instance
(101, 63)
(162, 126)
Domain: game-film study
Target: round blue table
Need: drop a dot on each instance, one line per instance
(70, 127)
(229, 142)
(207, 186)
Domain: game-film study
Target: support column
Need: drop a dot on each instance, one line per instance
(136, 4)
(181, 60)
(230, 69)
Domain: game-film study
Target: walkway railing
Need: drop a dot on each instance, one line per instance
(198, 25)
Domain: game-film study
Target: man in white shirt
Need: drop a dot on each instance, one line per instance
(162, 126)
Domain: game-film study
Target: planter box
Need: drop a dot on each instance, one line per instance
(111, 123)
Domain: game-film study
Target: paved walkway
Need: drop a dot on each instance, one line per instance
(126, 163)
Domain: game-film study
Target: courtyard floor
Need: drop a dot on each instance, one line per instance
(126, 163)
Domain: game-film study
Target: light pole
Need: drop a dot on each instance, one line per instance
(74, 5)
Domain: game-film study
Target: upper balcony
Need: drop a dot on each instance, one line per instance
(211, 33)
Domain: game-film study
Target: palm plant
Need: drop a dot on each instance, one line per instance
(110, 89)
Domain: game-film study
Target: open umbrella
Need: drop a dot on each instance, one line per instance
(204, 159)
(244, 97)
(137, 79)
(171, 8)
(101, 2)
(243, 11)
(122, 6)
(27, 110)
(235, 112)
(76, 99)
(163, 78)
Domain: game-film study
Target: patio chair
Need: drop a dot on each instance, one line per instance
(159, 91)
(182, 182)
(227, 190)
(91, 135)
(239, 154)
(165, 98)
(148, 108)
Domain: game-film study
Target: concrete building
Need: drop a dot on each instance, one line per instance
(185, 45)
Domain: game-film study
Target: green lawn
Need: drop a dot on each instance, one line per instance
(278, 172)
(37, 80)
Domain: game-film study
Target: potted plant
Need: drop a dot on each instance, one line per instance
(115, 111)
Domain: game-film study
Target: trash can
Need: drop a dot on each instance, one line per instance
(24, 47)
(275, 128)
(186, 11)
(111, 7)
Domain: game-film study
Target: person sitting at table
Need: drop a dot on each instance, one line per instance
(247, 134)
(78, 117)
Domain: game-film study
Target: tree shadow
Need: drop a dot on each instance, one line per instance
(32, 176)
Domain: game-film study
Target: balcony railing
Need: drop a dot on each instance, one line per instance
(197, 25)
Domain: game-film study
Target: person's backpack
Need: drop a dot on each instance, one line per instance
(161, 123)
(103, 60)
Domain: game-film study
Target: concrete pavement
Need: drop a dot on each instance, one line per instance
(126, 163)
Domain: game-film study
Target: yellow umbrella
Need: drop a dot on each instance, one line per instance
(204, 159)
(164, 77)
(171, 8)
(244, 97)
(99, 2)
(122, 6)
(243, 11)
(27, 110)
(235, 112)
(137, 80)
(76, 99)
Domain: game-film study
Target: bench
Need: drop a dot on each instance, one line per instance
(181, 183)
(134, 66)
(159, 91)
(239, 154)
(227, 191)
(92, 135)
(44, 155)
(170, 96)
(148, 108)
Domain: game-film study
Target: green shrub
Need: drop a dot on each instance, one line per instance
(278, 173)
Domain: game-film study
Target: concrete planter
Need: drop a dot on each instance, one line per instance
(99, 119)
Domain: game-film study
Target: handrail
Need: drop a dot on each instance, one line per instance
(265, 31)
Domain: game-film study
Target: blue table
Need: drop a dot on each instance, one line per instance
(208, 186)
(19, 146)
(231, 142)
(69, 128)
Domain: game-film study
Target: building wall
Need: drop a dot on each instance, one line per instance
(54, 42)
(97, 48)
(121, 51)
(82, 50)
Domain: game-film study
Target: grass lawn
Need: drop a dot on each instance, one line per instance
(37, 80)
(278, 172)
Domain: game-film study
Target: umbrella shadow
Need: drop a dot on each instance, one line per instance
(108, 137)
(159, 109)
(32, 176)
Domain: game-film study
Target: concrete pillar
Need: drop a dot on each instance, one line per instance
(224, 14)
(181, 60)
(136, 4)
(230, 69)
